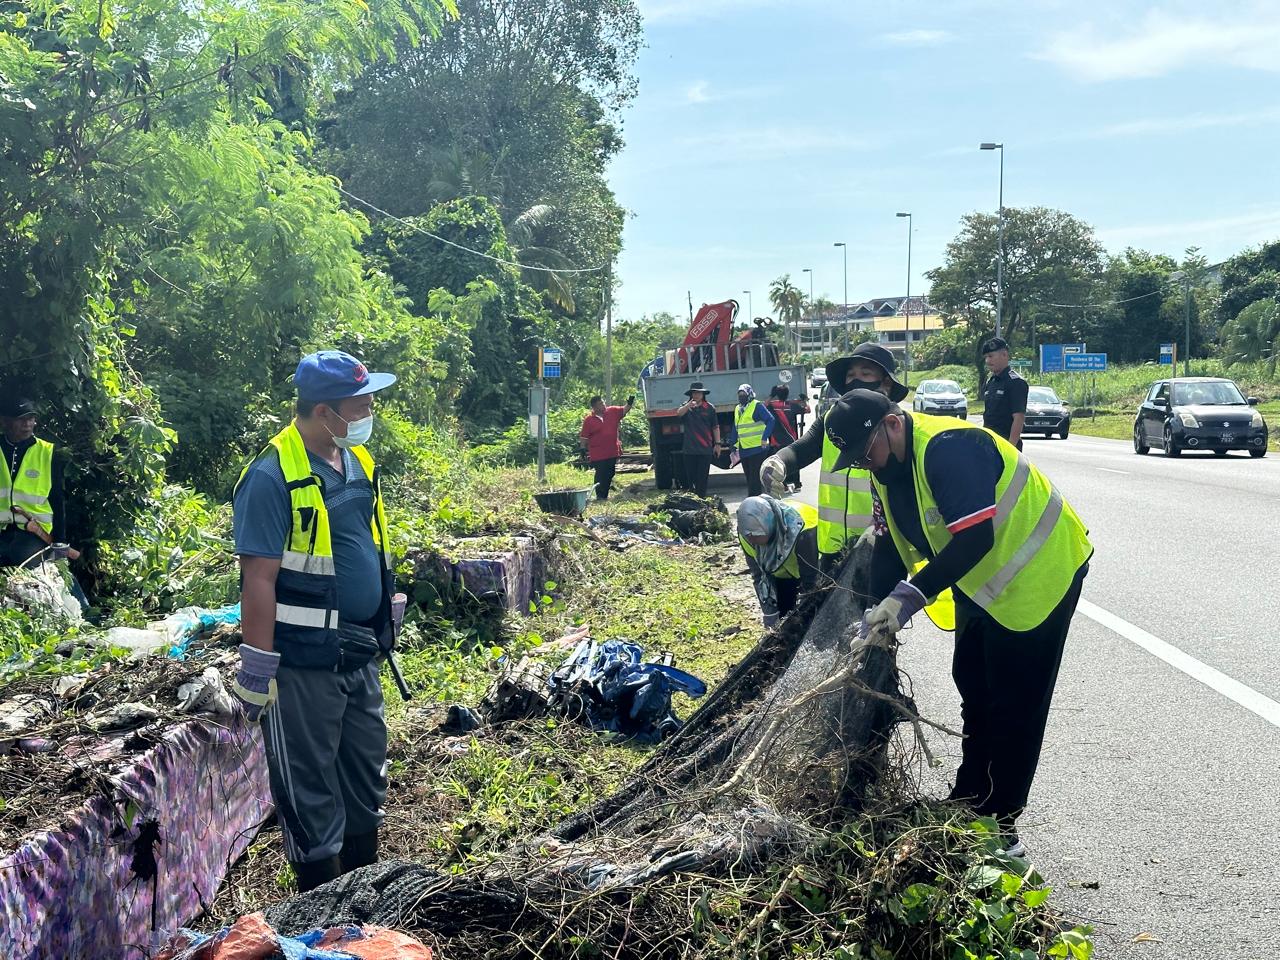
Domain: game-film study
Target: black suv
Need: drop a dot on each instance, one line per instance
(1199, 413)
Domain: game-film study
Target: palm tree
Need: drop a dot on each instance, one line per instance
(787, 300)
(1254, 335)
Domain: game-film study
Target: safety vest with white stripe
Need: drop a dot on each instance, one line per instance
(750, 430)
(306, 628)
(1040, 542)
(29, 490)
(790, 569)
(844, 501)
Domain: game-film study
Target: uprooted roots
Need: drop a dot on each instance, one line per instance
(776, 820)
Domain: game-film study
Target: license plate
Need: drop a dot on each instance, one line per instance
(1227, 438)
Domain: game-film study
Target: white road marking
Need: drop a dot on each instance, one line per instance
(1247, 697)
(1123, 473)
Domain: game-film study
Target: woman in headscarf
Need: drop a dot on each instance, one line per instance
(781, 544)
(752, 425)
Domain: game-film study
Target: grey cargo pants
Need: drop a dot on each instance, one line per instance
(326, 743)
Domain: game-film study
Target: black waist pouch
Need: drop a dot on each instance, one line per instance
(357, 646)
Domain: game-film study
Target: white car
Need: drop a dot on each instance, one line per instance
(942, 397)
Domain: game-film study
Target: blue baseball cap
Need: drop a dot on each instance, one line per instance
(334, 375)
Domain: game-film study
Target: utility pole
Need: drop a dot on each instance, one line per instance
(1186, 311)
(907, 305)
(844, 250)
(809, 271)
(999, 240)
(608, 333)
(750, 309)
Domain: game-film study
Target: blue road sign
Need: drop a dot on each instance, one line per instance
(551, 357)
(1051, 355)
(1166, 353)
(1084, 361)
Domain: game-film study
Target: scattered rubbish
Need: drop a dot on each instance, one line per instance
(626, 528)
(609, 687)
(173, 634)
(252, 938)
(207, 694)
(461, 719)
(123, 716)
(41, 590)
(1146, 938)
(19, 714)
(519, 692)
(693, 518)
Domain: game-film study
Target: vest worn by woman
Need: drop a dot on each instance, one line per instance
(844, 501)
(29, 487)
(306, 628)
(790, 569)
(1040, 543)
(750, 430)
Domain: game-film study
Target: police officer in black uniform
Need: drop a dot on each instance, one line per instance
(1005, 395)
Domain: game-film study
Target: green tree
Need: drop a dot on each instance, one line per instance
(787, 301)
(1254, 335)
(1247, 277)
(1049, 257)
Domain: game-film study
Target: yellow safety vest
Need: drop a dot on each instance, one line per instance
(790, 569)
(29, 490)
(750, 430)
(1040, 542)
(307, 585)
(844, 501)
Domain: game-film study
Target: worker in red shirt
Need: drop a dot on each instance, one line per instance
(599, 437)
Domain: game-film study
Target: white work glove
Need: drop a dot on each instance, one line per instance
(894, 612)
(773, 474)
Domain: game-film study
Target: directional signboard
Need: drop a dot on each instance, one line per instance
(551, 357)
(1166, 353)
(1085, 361)
(1051, 355)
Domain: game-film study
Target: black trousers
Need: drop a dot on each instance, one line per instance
(1006, 682)
(751, 467)
(605, 470)
(697, 467)
(787, 591)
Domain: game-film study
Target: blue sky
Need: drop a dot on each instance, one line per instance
(766, 131)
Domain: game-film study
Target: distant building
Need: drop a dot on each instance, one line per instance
(891, 319)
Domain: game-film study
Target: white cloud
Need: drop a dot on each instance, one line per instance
(1238, 230)
(917, 38)
(760, 143)
(681, 11)
(1155, 126)
(697, 93)
(1162, 43)
(700, 91)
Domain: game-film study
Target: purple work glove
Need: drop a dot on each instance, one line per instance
(255, 683)
(894, 612)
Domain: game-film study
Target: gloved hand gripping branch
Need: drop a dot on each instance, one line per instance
(894, 612)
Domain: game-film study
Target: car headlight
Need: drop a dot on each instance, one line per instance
(1258, 422)
(1188, 420)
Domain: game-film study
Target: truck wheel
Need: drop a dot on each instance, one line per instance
(662, 469)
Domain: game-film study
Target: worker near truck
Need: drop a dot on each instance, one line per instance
(780, 541)
(963, 509)
(599, 437)
(844, 496)
(316, 618)
(701, 440)
(752, 426)
(788, 413)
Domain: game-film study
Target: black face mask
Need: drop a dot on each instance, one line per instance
(894, 470)
(856, 384)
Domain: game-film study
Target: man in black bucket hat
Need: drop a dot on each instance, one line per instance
(844, 495)
(701, 437)
(968, 519)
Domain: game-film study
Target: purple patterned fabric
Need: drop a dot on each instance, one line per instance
(511, 577)
(71, 893)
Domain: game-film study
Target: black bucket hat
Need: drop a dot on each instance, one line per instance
(697, 387)
(851, 422)
(838, 370)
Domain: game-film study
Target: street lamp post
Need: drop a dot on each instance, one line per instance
(907, 303)
(1184, 277)
(750, 310)
(844, 250)
(809, 271)
(1000, 240)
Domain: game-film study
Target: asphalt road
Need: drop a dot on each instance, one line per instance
(1156, 810)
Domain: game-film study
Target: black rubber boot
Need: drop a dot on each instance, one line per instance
(359, 850)
(317, 872)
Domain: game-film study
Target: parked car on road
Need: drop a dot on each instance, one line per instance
(1046, 413)
(1199, 413)
(818, 377)
(941, 397)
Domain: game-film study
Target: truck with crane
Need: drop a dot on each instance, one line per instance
(710, 353)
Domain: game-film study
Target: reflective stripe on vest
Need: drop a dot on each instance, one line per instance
(750, 430)
(30, 489)
(307, 586)
(1040, 542)
(844, 501)
(790, 569)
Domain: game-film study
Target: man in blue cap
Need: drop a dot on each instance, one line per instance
(316, 588)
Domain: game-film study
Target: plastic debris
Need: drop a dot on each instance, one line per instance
(207, 694)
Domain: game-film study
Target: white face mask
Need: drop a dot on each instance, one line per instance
(358, 432)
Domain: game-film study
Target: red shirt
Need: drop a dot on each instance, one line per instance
(601, 434)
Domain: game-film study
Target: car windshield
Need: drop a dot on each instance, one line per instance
(939, 386)
(1042, 395)
(1210, 393)
(819, 371)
